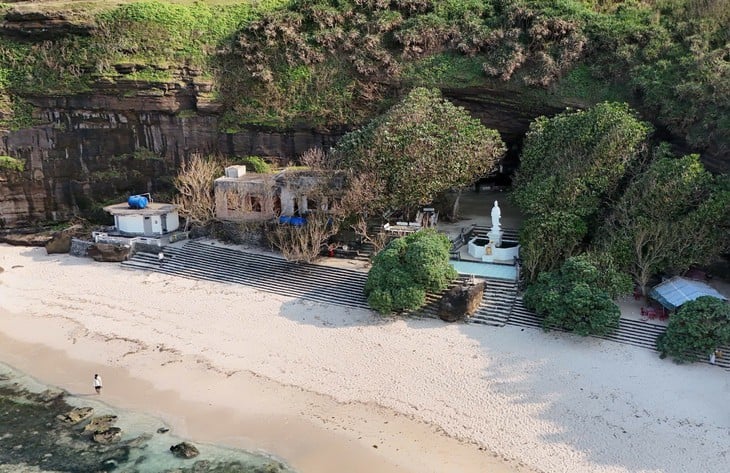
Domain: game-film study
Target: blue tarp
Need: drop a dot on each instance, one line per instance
(678, 290)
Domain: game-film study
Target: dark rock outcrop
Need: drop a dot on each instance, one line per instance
(26, 239)
(43, 25)
(100, 424)
(185, 450)
(108, 436)
(124, 138)
(108, 252)
(76, 415)
(460, 302)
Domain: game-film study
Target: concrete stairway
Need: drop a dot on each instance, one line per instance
(500, 304)
(431, 308)
(630, 332)
(497, 303)
(509, 234)
(273, 274)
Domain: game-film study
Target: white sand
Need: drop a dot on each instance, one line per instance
(320, 385)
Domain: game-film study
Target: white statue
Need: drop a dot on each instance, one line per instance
(496, 215)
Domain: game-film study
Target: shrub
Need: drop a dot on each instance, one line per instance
(11, 164)
(256, 164)
(578, 297)
(408, 268)
(696, 330)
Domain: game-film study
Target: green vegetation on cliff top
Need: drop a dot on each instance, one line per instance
(330, 62)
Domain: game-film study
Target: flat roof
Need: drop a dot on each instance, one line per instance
(153, 208)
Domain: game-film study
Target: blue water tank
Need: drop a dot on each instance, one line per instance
(137, 202)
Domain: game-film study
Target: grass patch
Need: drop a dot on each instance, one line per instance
(581, 85)
(445, 70)
(8, 163)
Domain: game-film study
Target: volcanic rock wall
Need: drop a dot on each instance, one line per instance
(125, 138)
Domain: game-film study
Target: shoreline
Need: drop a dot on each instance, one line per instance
(309, 431)
(307, 447)
(318, 386)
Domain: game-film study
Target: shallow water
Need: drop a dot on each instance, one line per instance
(33, 439)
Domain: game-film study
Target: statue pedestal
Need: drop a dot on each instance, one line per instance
(495, 237)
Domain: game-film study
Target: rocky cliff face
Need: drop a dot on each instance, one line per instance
(129, 137)
(122, 138)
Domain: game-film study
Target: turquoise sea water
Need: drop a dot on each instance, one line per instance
(33, 439)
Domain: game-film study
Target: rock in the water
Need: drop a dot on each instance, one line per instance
(76, 415)
(184, 450)
(101, 423)
(108, 252)
(50, 395)
(460, 302)
(110, 435)
(163, 430)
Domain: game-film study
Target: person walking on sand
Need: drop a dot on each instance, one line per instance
(97, 383)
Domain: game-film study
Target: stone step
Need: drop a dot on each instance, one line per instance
(340, 286)
(268, 273)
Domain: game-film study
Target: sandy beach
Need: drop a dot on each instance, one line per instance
(330, 389)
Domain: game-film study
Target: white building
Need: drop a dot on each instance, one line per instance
(154, 220)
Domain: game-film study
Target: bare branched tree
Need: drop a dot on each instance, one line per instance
(194, 182)
(315, 158)
(303, 243)
(376, 238)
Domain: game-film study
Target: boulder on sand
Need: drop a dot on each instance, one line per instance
(109, 252)
(460, 302)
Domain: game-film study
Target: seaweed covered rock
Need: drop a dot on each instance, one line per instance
(100, 423)
(76, 415)
(107, 436)
(185, 450)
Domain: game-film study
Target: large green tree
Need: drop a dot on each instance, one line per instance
(406, 269)
(672, 215)
(421, 147)
(579, 296)
(571, 164)
(697, 329)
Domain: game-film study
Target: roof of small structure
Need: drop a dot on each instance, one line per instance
(153, 208)
(678, 290)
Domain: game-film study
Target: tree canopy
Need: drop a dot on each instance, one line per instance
(579, 296)
(420, 148)
(571, 161)
(571, 164)
(406, 269)
(672, 215)
(697, 329)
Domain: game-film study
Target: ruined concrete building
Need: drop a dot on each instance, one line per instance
(246, 197)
